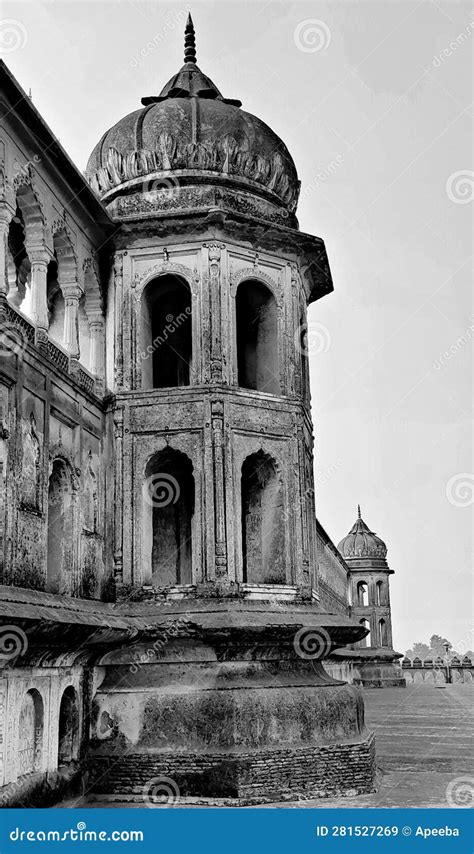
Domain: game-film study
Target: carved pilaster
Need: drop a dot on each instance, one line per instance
(220, 544)
(118, 545)
(118, 303)
(214, 254)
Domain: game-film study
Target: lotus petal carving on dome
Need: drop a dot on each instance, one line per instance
(224, 155)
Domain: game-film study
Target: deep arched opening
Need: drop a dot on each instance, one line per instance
(68, 728)
(263, 529)
(31, 726)
(257, 338)
(380, 593)
(168, 495)
(18, 264)
(365, 642)
(362, 594)
(166, 337)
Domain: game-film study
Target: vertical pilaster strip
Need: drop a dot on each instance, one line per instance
(217, 420)
(118, 291)
(214, 254)
(118, 494)
(129, 333)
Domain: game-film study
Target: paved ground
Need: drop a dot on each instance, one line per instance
(423, 744)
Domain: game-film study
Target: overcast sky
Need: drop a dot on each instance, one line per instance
(374, 101)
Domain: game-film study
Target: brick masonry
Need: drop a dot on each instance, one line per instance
(262, 775)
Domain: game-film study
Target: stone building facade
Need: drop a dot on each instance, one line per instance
(163, 613)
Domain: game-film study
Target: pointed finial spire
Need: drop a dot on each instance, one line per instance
(189, 41)
(358, 511)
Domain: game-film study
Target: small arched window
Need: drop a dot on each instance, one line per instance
(257, 338)
(383, 633)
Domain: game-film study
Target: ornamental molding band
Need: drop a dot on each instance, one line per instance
(224, 156)
(203, 198)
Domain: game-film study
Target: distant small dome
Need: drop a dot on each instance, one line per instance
(361, 542)
(190, 136)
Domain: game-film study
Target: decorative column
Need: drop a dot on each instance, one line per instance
(96, 328)
(72, 294)
(39, 260)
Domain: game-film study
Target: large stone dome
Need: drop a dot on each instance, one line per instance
(190, 136)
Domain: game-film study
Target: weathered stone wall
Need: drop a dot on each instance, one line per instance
(333, 574)
(51, 423)
(50, 684)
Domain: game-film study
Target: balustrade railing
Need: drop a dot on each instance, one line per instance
(11, 318)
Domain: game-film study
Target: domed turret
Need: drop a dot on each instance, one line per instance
(361, 542)
(191, 145)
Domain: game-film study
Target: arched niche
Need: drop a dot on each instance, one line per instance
(380, 593)
(258, 364)
(383, 632)
(165, 350)
(60, 527)
(30, 731)
(168, 509)
(365, 642)
(362, 593)
(68, 727)
(263, 527)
